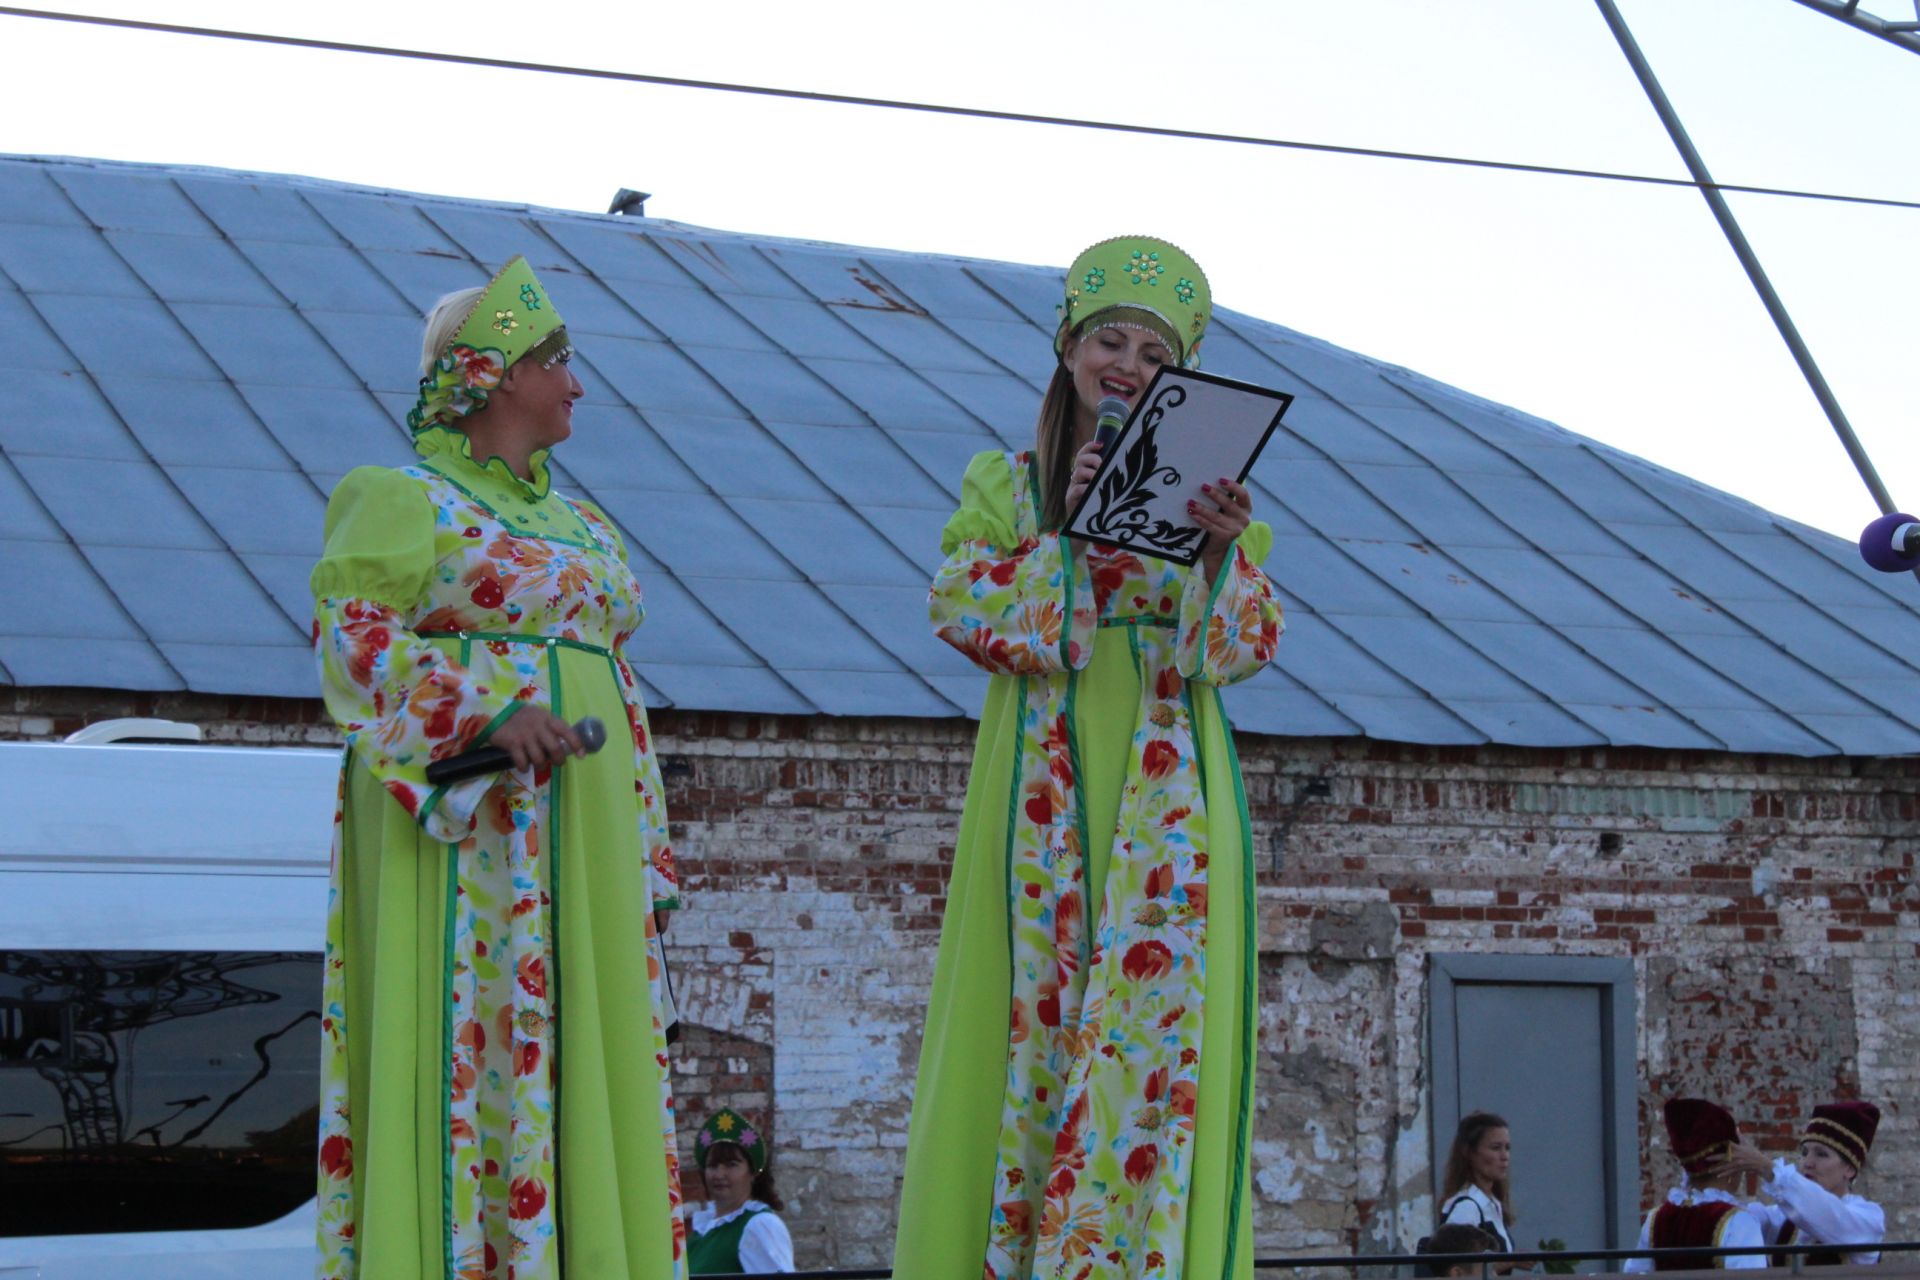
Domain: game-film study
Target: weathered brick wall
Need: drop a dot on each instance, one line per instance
(1767, 904)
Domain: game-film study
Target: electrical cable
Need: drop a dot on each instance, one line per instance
(934, 108)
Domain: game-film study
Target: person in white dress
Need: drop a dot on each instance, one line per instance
(1813, 1201)
(1477, 1190)
(1702, 1212)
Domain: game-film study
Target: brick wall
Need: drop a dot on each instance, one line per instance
(1767, 904)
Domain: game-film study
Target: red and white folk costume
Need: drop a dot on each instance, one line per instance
(1700, 1135)
(1803, 1212)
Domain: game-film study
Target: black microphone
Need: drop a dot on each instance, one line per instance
(1108, 417)
(471, 764)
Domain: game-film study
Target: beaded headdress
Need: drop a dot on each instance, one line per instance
(1143, 282)
(728, 1125)
(511, 319)
(1848, 1127)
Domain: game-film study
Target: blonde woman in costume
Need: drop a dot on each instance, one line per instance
(1084, 1094)
(494, 1092)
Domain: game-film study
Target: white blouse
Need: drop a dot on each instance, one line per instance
(764, 1242)
(1472, 1207)
(1820, 1216)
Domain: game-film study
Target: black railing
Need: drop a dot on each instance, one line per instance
(1794, 1254)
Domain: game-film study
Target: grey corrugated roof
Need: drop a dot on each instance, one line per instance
(192, 358)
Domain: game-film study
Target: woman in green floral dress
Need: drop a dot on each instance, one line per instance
(1083, 1102)
(494, 1096)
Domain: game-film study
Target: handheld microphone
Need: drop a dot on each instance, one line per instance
(1891, 544)
(1108, 417)
(471, 764)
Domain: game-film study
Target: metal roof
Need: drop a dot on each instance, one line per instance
(192, 358)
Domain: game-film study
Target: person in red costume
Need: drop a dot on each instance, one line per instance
(1702, 1212)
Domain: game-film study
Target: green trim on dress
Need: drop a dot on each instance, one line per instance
(1013, 813)
(1250, 924)
(510, 525)
(556, 805)
(552, 642)
(452, 854)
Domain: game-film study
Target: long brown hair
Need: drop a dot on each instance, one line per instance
(1473, 1130)
(1053, 448)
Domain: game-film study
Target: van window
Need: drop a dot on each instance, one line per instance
(156, 1090)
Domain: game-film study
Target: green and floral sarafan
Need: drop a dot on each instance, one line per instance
(512, 319)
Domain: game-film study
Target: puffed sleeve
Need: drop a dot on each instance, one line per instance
(1742, 1230)
(1771, 1217)
(765, 1245)
(1013, 606)
(1828, 1218)
(1229, 628)
(401, 702)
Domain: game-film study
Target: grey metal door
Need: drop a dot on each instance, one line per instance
(1547, 1042)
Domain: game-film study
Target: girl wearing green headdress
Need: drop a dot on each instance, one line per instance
(494, 1089)
(1082, 1108)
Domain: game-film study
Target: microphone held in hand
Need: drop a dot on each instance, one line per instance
(1108, 417)
(471, 764)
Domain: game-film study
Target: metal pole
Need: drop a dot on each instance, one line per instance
(1738, 240)
(1847, 11)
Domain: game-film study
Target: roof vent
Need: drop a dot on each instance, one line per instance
(630, 202)
(135, 729)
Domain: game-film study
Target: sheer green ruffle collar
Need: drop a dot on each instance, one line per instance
(451, 449)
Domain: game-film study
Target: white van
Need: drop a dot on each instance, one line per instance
(162, 916)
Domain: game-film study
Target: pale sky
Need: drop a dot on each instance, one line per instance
(1616, 311)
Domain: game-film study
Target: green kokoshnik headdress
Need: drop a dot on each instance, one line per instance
(1139, 281)
(513, 318)
(728, 1125)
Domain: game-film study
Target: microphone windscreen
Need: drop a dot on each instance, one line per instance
(1877, 546)
(1111, 407)
(593, 734)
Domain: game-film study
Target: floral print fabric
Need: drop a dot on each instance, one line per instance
(1103, 1066)
(422, 650)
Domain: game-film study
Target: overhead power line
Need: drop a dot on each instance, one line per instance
(933, 108)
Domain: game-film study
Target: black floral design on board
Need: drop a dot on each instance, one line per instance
(1131, 493)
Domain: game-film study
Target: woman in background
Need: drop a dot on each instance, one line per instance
(1477, 1190)
(738, 1228)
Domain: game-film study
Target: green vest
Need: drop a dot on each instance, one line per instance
(718, 1252)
